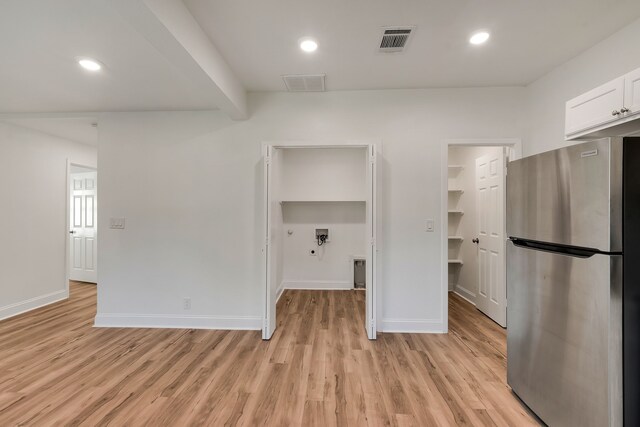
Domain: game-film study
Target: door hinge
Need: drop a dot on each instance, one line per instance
(266, 241)
(373, 241)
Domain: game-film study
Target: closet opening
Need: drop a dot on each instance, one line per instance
(320, 238)
(475, 228)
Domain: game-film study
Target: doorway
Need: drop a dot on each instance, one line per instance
(474, 231)
(320, 206)
(82, 254)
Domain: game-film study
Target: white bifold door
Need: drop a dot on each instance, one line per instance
(490, 203)
(273, 246)
(83, 227)
(372, 207)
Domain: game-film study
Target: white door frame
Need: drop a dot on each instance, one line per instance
(373, 209)
(515, 144)
(67, 193)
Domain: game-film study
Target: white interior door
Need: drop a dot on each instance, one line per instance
(490, 203)
(370, 317)
(83, 236)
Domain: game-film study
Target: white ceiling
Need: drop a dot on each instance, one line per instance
(528, 39)
(40, 39)
(150, 66)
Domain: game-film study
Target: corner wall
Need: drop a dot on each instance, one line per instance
(33, 190)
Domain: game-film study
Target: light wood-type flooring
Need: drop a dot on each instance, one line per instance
(318, 369)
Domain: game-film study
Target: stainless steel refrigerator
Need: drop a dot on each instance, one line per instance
(573, 283)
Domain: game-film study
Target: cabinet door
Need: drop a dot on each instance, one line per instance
(595, 107)
(632, 92)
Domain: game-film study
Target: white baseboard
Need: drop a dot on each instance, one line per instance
(425, 326)
(33, 303)
(465, 294)
(317, 284)
(279, 292)
(117, 320)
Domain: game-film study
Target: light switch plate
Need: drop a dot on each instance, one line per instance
(430, 225)
(116, 223)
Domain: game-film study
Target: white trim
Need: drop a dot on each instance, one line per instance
(420, 326)
(516, 153)
(117, 320)
(67, 222)
(17, 308)
(269, 319)
(317, 284)
(321, 144)
(464, 294)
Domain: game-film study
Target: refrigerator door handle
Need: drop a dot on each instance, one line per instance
(557, 249)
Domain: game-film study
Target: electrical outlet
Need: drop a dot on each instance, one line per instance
(186, 304)
(116, 223)
(313, 252)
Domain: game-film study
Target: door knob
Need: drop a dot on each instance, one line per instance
(624, 110)
(615, 113)
(72, 232)
(476, 240)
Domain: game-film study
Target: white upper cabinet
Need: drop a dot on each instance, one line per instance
(595, 108)
(632, 92)
(612, 109)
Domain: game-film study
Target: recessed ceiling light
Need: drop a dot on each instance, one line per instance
(308, 44)
(479, 38)
(89, 64)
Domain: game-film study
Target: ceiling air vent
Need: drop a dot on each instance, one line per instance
(304, 82)
(394, 39)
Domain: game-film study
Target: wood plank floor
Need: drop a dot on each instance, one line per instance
(318, 369)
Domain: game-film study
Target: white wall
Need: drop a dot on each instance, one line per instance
(33, 190)
(335, 174)
(329, 269)
(467, 278)
(613, 57)
(190, 187)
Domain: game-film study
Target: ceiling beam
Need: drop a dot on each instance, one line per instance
(173, 31)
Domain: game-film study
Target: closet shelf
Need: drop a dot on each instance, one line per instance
(456, 212)
(456, 190)
(455, 261)
(456, 167)
(456, 238)
(323, 201)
